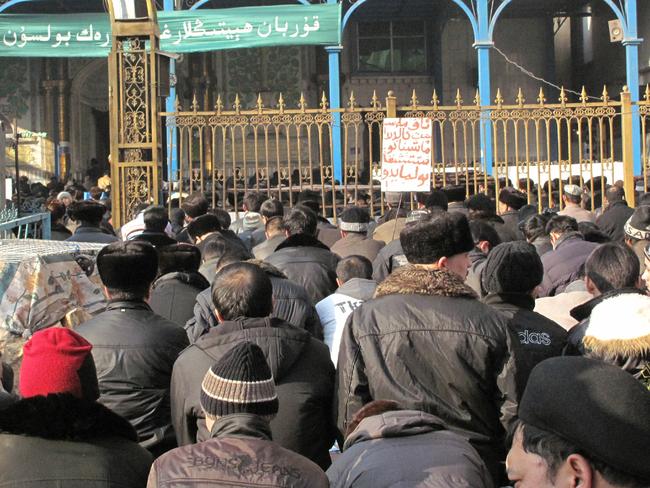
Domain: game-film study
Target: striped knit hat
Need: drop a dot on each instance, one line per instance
(240, 382)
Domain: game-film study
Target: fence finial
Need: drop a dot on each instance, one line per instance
(477, 98)
(646, 97)
(458, 99)
(605, 96)
(374, 101)
(323, 102)
(195, 103)
(414, 100)
(584, 98)
(541, 98)
(352, 101)
(435, 100)
(177, 104)
(218, 105)
(302, 103)
(260, 103)
(281, 103)
(499, 99)
(237, 105)
(520, 98)
(563, 99)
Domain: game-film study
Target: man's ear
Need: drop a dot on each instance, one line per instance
(484, 246)
(339, 282)
(442, 262)
(287, 234)
(218, 315)
(591, 287)
(576, 472)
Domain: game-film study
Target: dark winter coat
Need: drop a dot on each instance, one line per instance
(307, 261)
(357, 244)
(407, 448)
(134, 351)
(562, 265)
(91, 234)
(156, 239)
(612, 220)
(505, 233)
(303, 374)
(59, 232)
(173, 295)
(6, 385)
(540, 338)
(542, 245)
(65, 442)
(266, 248)
(327, 233)
(511, 223)
(427, 343)
(388, 260)
(240, 452)
(477, 261)
(290, 303)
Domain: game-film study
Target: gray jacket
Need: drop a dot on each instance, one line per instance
(407, 448)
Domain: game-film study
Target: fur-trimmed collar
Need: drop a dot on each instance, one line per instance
(415, 280)
(301, 240)
(194, 279)
(63, 417)
(620, 327)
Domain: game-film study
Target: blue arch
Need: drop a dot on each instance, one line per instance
(11, 3)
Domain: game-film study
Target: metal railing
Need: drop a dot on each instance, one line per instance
(282, 151)
(36, 226)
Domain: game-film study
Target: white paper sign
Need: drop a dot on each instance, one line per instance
(406, 154)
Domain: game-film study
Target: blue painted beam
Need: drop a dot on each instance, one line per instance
(172, 156)
(334, 54)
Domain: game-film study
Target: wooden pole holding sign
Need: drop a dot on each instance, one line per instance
(406, 154)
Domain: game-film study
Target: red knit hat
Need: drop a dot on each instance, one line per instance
(58, 360)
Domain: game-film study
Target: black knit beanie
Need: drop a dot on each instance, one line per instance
(240, 382)
(512, 267)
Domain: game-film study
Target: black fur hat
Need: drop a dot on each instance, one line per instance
(181, 258)
(203, 225)
(513, 198)
(444, 234)
(127, 265)
(87, 211)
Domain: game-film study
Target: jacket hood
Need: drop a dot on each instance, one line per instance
(281, 343)
(195, 280)
(400, 423)
(63, 417)
(414, 280)
(358, 288)
(301, 240)
(583, 311)
(269, 269)
(620, 327)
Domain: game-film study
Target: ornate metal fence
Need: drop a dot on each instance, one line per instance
(283, 150)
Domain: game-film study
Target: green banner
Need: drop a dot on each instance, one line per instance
(188, 31)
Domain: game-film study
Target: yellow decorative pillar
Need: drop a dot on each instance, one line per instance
(64, 143)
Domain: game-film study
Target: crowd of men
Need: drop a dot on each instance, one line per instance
(467, 342)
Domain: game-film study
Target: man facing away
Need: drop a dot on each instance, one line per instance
(571, 198)
(238, 398)
(134, 349)
(427, 343)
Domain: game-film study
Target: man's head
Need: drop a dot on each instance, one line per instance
(560, 225)
(178, 258)
(240, 382)
(511, 199)
(353, 267)
(253, 201)
(571, 195)
(484, 235)
(535, 227)
(301, 220)
(454, 193)
(96, 193)
(558, 444)
(57, 210)
(614, 194)
(87, 212)
(58, 360)
(271, 208)
(435, 200)
(128, 269)
(512, 267)
(310, 199)
(194, 206)
(354, 220)
(155, 219)
(443, 241)
(375, 407)
(241, 290)
(611, 266)
(274, 227)
(480, 206)
(637, 228)
(200, 227)
(223, 216)
(65, 197)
